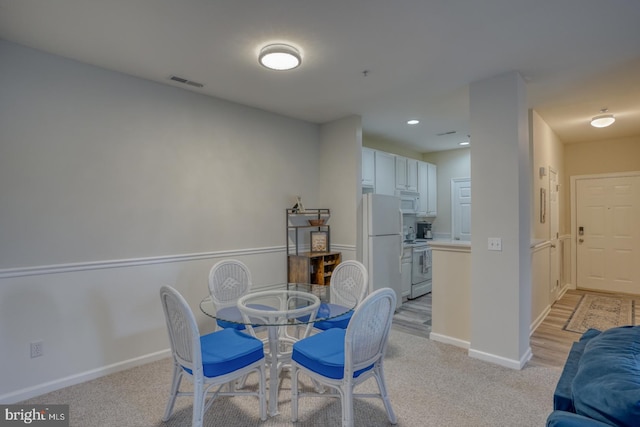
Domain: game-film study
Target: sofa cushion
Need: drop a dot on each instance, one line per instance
(562, 397)
(607, 384)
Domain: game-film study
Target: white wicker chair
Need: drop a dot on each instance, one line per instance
(212, 360)
(342, 359)
(228, 281)
(348, 287)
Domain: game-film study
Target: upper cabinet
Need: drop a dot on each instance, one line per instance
(428, 189)
(368, 167)
(406, 174)
(385, 173)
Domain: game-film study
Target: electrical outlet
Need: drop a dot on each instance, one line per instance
(495, 244)
(36, 349)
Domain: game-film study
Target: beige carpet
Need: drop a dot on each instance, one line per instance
(601, 312)
(430, 384)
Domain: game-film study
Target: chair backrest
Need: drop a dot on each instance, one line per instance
(184, 335)
(349, 283)
(228, 281)
(368, 330)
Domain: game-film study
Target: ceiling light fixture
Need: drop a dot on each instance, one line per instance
(464, 143)
(413, 122)
(603, 120)
(280, 57)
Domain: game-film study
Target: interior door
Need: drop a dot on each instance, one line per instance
(461, 209)
(608, 234)
(554, 234)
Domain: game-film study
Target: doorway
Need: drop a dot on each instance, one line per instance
(461, 209)
(554, 236)
(606, 232)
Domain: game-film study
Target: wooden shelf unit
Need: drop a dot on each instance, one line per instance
(304, 266)
(313, 267)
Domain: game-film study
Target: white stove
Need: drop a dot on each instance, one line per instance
(421, 267)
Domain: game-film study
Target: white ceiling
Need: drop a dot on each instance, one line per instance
(576, 55)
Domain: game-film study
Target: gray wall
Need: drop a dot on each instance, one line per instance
(112, 186)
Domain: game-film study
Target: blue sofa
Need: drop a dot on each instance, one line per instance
(600, 382)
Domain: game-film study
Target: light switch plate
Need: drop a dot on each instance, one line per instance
(495, 244)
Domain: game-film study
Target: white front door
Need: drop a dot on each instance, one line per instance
(461, 209)
(608, 234)
(554, 234)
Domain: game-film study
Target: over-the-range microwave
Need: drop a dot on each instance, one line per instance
(409, 201)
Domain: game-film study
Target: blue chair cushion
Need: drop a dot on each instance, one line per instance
(234, 317)
(228, 350)
(323, 353)
(328, 310)
(607, 384)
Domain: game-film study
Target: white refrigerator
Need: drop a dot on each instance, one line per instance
(382, 242)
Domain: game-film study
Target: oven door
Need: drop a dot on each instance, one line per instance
(421, 269)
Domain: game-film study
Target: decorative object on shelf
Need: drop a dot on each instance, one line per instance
(298, 207)
(319, 241)
(316, 222)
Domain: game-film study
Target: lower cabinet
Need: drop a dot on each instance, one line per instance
(313, 267)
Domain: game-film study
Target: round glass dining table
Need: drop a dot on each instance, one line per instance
(287, 311)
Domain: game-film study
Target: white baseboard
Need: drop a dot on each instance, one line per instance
(502, 361)
(40, 389)
(539, 320)
(449, 340)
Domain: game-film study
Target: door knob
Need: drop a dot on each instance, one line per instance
(580, 240)
(553, 246)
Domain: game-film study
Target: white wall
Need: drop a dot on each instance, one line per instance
(501, 207)
(451, 164)
(341, 185)
(113, 186)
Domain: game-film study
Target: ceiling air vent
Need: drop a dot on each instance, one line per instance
(185, 81)
(451, 132)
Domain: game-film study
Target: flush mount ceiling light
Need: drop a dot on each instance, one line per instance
(603, 120)
(467, 142)
(280, 57)
(413, 122)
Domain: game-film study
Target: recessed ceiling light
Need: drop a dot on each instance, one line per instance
(413, 122)
(603, 120)
(280, 57)
(464, 143)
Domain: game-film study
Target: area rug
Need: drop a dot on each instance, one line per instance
(601, 312)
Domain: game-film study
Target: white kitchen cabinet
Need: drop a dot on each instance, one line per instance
(406, 174)
(385, 164)
(368, 167)
(428, 189)
(405, 276)
(432, 202)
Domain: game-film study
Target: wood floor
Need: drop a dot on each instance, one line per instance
(550, 343)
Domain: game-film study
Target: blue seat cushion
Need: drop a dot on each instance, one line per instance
(607, 384)
(233, 317)
(323, 353)
(227, 350)
(330, 310)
